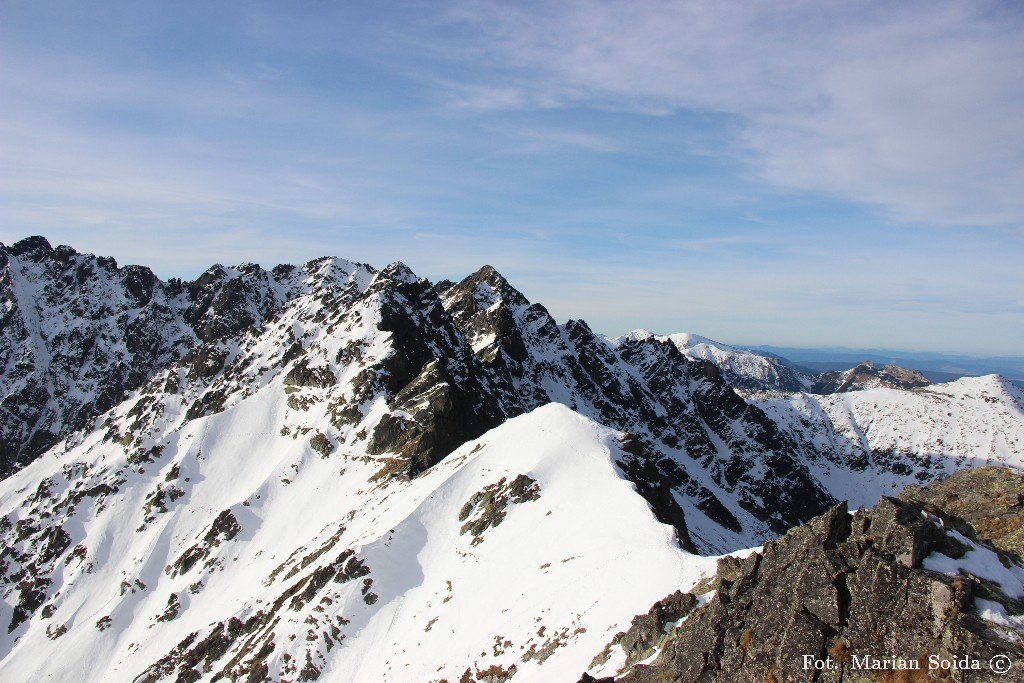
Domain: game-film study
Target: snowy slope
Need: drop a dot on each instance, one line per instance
(742, 368)
(77, 333)
(701, 450)
(296, 484)
(869, 443)
(542, 591)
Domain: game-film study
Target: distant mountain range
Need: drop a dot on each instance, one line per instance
(938, 367)
(339, 472)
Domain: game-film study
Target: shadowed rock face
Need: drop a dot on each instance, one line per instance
(431, 378)
(684, 411)
(78, 333)
(838, 589)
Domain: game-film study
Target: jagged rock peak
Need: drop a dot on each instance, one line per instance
(491, 277)
(485, 288)
(37, 249)
(399, 272)
(489, 274)
(325, 265)
(35, 244)
(743, 368)
(76, 334)
(867, 375)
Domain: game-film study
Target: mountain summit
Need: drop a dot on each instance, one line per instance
(339, 471)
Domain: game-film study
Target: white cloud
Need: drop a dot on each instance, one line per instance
(914, 107)
(524, 135)
(537, 139)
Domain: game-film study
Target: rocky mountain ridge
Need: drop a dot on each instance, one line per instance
(422, 368)
(743, 368)
(866, 375)
(77, 333)
(319, 430)
(753, 370)
(898, 592)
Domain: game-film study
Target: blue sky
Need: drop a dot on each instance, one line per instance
(790, 172)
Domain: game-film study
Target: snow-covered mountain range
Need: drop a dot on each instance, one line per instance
(742, 368)
(77, 333)
(350, 473)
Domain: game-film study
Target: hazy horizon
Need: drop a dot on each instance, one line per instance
(739, 343)
(794, 174)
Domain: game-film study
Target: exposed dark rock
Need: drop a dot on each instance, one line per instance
(31, 596)
(35, 248)
(78, 332)
(843, 590)
(321, 444)
(649, 631)
(782, 494)
(226, 302)
(445, 413)
(471, 307)
(170, 613)
(677, 405)
(224, 528)
(210, 403)
(990, 499)
(247, 644)
(344, 413)
(655, 476)
(205, 361)
(487, 507)
(867, 375)
(301, 375)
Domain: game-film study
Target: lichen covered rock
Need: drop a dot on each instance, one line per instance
(842, 598)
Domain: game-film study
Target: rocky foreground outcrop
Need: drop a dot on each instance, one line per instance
(843, 598)
(990, 498)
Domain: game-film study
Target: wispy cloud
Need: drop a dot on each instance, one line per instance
(910, 106)
(774, 171)
(709, 244)
(531, 140)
